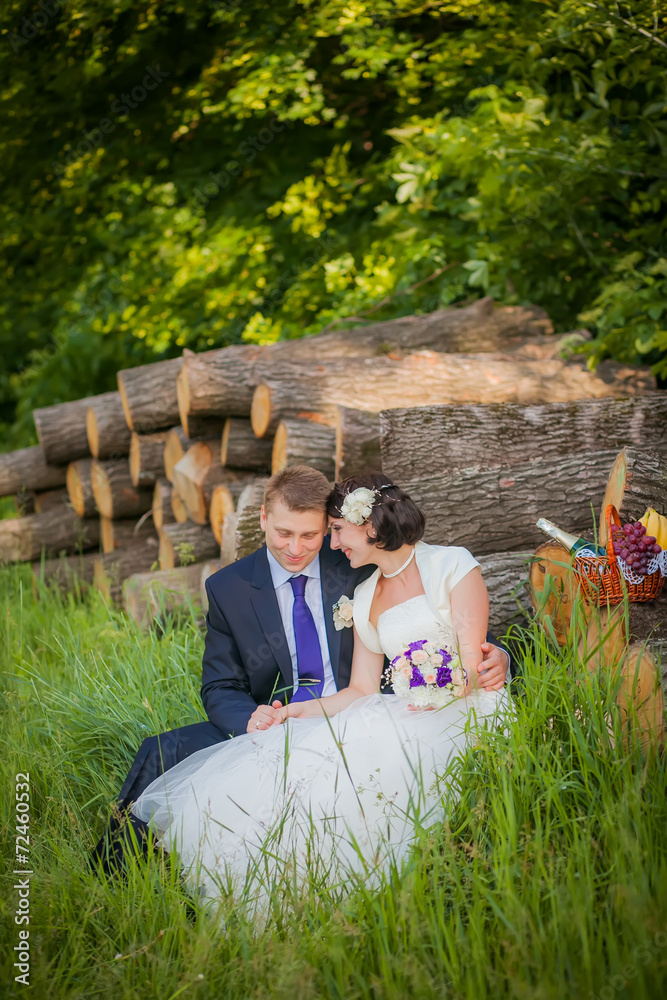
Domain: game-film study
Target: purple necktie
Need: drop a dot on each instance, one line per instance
(308, 652)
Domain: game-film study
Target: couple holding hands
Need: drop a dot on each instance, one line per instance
(306, 761)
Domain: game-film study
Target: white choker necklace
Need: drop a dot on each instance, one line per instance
(405, 565)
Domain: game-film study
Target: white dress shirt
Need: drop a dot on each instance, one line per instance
(281, 581)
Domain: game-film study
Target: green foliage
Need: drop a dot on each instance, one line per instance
(189, 175)
(548, 879)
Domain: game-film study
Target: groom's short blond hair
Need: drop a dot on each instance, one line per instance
(299, 488)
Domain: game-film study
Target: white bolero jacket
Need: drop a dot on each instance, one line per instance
(441, 567)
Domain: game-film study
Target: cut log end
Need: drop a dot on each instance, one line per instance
(260, 411)
(279, 454)
(178, 508)
(135, 459)
(183, 396)
(79, 487)
(92, 432)
(124, 401)
(222, 504)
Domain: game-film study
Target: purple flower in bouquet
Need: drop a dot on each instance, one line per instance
(426, 674)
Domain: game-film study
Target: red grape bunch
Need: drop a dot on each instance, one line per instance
(634, 546)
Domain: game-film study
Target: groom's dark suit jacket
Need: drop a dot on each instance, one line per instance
(246, 660)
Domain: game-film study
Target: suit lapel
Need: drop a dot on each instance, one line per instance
(265, 604)
(334, 578)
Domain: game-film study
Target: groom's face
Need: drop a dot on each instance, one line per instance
(293, 537)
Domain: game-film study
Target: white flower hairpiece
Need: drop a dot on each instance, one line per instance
(357, 505)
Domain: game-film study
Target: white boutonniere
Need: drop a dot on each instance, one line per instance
(342, 613)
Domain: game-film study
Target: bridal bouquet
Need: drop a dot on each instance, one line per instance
(427, 674)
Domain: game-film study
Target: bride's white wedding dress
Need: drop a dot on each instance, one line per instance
(316, 798)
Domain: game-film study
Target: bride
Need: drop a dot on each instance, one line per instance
(337, 786)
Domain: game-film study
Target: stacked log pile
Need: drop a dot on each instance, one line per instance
(494, 429)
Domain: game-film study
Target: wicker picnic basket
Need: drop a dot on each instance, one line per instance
(602, 581)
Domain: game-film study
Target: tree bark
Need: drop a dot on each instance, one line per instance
(106, 427)
(182, 544)
(248, 535)
(222, 380)
(198, 473)
(25, 471)
(241, 449)
(113, 569)
(24, 503)
(495, 510)
(375, 384)
(357, 442)
(80, 488)
(506, 578)
(147, 596)
(147, 458)
(61, 430)
(148, 395)
(207, 569)
(162, 512)
(438, 439)
(125, 534)
(304, 442)
(50, 500)
(115, 495)
(58, 530)
(66, 573)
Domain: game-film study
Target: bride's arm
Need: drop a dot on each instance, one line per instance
(470, 615)
(364, 680)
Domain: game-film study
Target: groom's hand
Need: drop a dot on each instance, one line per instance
(493, 668)
(264, 717)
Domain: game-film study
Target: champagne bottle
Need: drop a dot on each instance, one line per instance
(571, 542)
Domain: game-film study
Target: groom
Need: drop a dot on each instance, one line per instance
(261, 610)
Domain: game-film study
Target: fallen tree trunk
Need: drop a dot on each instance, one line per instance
(66, 573)
(241, 449)
(147, 596)
(61, 430)
(304, 442)
(222, 381)
(228, 539)
(375, 384)
(148, 396)
(442, 438)
(58, 530)
(113, 569)
(357, 442)
(80, 487)
(182, 544)
(26, 471)
(207, 570)
(199, 472)
(147, 458)
(162, 512)
(106, 427)
(115, 495)
(125, 534)
(495, 510)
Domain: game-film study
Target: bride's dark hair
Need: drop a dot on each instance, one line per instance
(395, 516)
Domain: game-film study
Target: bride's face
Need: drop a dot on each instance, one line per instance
(352, 539)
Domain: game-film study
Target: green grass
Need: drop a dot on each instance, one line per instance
(548, 879)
